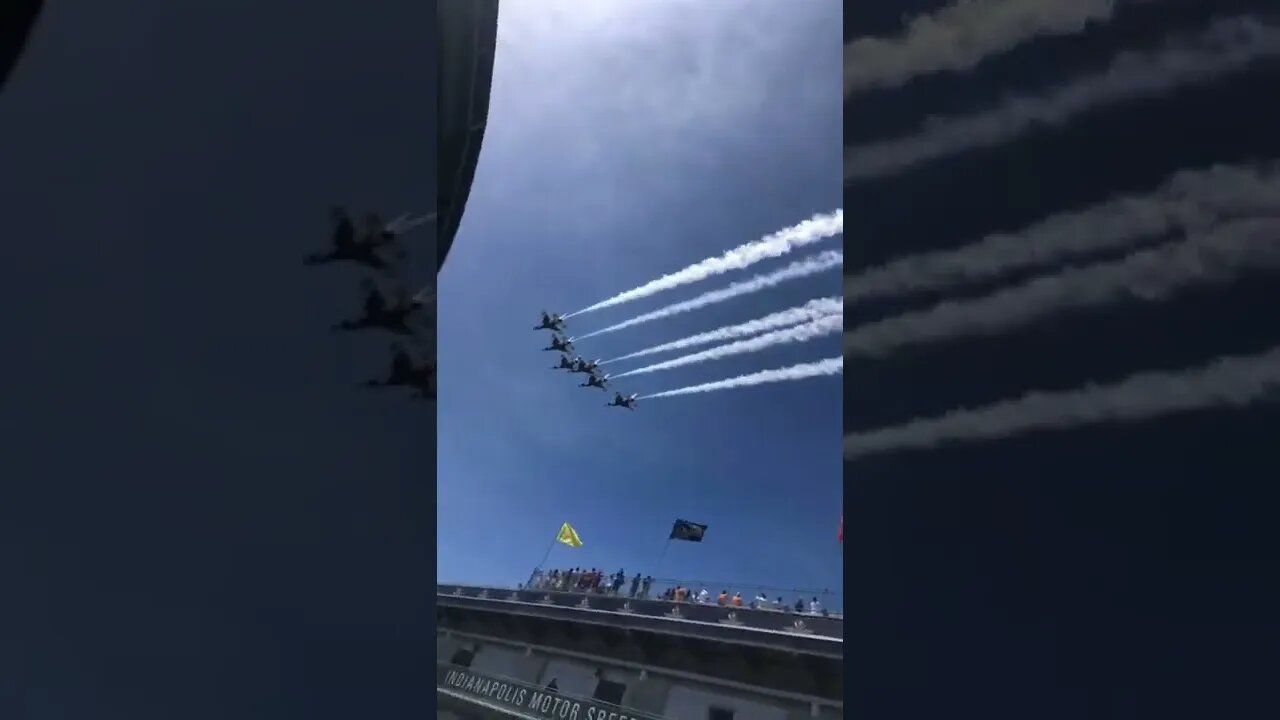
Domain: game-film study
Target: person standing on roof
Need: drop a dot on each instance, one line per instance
(635, 585)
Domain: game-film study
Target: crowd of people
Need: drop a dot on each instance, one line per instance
(596, 581)
(590, 581)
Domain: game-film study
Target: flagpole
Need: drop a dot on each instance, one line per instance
(658, 566)
(550, 547)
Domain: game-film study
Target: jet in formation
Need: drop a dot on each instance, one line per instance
(626, 402)
(376, 246)
(552, 322)
(404, 372)
(378, 314)
(564, 345)
(596, 381)
(577, 364)
(363, 248)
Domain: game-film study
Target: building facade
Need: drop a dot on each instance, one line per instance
(517, 653)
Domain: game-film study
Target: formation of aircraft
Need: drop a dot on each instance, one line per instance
(564, 345)
(378, 314)
(360, 248)
(576, 363)
(376, 246)
(628, 402)
(596, 381)
(552, 322)
(419, 376)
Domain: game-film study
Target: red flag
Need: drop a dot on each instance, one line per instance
(840, 532)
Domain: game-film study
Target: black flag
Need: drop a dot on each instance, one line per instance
(685, 530)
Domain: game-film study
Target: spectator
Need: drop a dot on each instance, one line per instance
(800, 605)
(815, 607)
(635, 584)
(704, 596)
(761, 601)
(724, 598)
(681, 593)
(780, 605)
(737, 599)
(618, 579)
(644, 586)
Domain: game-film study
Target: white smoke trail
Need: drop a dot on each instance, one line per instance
(823, 326)
(1228, 46)
(404, 223)
(811, 265)
(815, 229)
(811, 310)
(960, 36)
(1217, 255)
(1188, 200)
(822, 368)
(1227, 382)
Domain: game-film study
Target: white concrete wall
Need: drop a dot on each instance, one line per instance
(687, 703)
(498, 660)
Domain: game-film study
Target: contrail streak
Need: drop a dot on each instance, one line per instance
(823, 326)
(1226, 382)
(815, 229)
(959, 36)
(1228, 46)
(811, 310)
(1188, 200)
(822, 368)
(404, 223)
(1215, 256)
(811, 265)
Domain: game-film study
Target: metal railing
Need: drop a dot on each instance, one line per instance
(525, 698)
(761, 597)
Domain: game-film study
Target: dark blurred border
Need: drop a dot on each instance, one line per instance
(17, 18)
(468, 35)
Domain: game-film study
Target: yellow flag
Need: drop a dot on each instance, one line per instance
(569, 536)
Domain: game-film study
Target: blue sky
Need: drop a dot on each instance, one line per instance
(625, 142)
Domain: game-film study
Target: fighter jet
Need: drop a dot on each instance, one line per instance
(596, 381)
(378, 315)
(561, 344)
(586, 366)
(565, 364)
(348, 248)
(405, 373)
(626, 402)
(552, 322)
